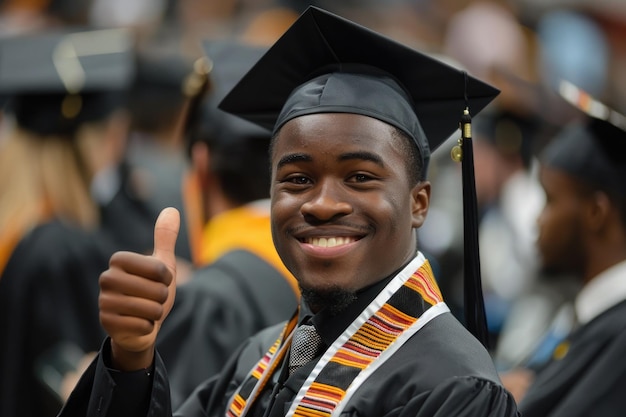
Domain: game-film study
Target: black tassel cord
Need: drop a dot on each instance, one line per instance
(474, 306)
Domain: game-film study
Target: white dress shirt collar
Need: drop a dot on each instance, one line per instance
(601, 293)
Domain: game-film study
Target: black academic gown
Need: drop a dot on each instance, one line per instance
(48, 308)
(590, 380)
(128, 219)
(441, 371)
(221, 306)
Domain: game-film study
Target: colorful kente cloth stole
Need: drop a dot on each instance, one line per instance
(257, 378)
(405, 305)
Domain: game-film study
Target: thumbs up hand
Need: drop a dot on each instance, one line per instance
(137, 293)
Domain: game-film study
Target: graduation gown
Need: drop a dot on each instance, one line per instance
(590, 380)
(222, 305)
(48, 310)
(441, 370)
(129, 220)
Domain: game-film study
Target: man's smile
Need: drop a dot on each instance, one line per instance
(330, 242)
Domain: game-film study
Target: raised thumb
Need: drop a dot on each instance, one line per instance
(165, 234)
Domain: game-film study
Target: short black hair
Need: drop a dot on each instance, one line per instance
(242, 168)
(414, 161)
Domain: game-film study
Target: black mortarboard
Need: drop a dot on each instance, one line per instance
(55, 80)
(420, 95)
(156, 96)
(325, 63)
(238, 148)
(231, 59)
(511, 133)
(593, 149)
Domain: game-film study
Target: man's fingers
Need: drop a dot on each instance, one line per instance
(165, 234)
(131, 306)
(120, 282)
(126, 327)
(137, 293)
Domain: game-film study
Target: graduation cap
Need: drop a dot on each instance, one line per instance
(591, 149)
(230, 60)
(238, 148)
(156, 95)
(56, 80)
(511, 133)
(327, 64)
(367, 74)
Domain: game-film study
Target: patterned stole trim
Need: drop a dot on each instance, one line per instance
(253, 384)
(430, 314)
(408, 302)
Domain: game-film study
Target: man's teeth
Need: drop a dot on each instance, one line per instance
(329, 242)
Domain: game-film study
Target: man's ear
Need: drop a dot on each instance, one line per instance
(599, 212)
(420, 201)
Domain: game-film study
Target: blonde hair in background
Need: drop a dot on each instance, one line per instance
(40, 179)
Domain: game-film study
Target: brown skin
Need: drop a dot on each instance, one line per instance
(580, 229)
(137, 293)
(340, 175)
(334, 175)
(561, 240)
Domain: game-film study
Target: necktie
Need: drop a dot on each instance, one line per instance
(304, 346)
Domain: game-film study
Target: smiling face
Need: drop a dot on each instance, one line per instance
(343, 205)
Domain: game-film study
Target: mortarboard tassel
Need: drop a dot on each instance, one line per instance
(474, 306)
(195, 87)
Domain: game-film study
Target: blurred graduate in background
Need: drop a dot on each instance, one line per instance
(64, 126)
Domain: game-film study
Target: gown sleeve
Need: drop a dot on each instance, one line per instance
(102, 391)
(461, 397)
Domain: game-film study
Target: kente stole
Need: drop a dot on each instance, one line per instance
(405, 305)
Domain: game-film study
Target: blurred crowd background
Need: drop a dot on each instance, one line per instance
(523, 47)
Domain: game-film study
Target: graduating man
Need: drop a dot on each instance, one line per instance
(582, 232)
(355, 117)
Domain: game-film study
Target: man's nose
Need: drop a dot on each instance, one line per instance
(329, 200)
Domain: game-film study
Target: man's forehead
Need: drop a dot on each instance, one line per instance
(337, 128)
(337, 133)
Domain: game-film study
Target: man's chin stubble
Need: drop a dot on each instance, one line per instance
(334, 300)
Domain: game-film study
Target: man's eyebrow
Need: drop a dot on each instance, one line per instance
(362, 155)
(292, 158)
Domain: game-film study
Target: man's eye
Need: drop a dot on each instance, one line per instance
(299, 180)
(361, 178)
